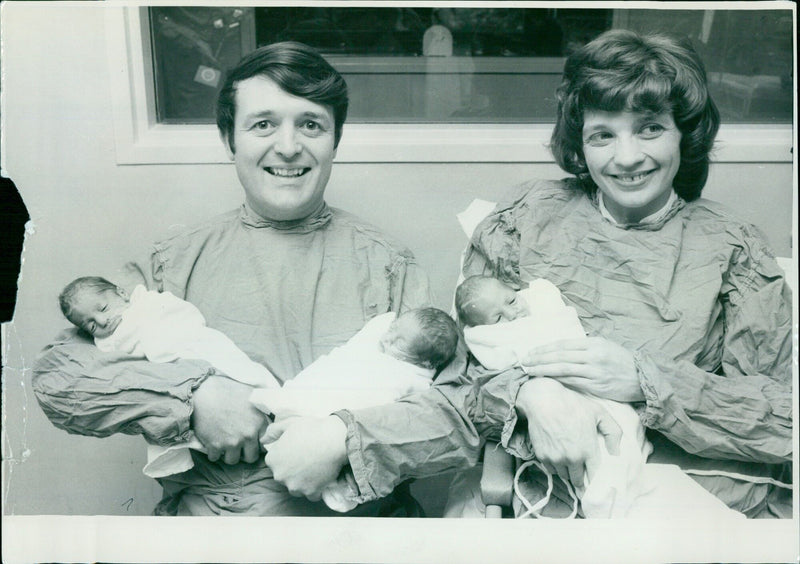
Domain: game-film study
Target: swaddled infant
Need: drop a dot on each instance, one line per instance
(390, 357)
(502, 326)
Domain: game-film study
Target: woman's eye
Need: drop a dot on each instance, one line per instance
(652, 130)
(599, 139)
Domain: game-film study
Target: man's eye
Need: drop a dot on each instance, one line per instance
(262, 125)
(313, 127)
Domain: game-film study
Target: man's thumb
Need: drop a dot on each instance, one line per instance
(274, 431)
(611, 431)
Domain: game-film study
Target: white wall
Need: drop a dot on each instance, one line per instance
(89, 215)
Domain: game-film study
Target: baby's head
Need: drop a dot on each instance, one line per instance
(426, 337)
(483, 300)
(94, 305)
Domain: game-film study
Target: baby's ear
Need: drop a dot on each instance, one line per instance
(122, 293)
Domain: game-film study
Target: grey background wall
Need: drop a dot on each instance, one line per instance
(89, 215)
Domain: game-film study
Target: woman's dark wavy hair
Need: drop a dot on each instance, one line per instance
(296, 68)
(624, 71)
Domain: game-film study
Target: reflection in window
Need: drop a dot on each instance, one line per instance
(450, 65)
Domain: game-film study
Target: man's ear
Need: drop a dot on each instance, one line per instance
(226, 140)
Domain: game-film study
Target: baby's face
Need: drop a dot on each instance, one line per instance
(99, 313)
(497, 302)
(399, 339)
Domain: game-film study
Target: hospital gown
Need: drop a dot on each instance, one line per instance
(285, 293)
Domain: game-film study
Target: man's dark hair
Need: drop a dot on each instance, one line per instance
(294, 67)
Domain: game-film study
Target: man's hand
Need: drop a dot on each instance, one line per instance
(564, 426)
(225, 421)
(306, 454)
(595, 366)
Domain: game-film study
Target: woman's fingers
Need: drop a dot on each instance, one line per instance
(536, 357)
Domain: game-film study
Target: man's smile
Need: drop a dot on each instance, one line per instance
(286, 172)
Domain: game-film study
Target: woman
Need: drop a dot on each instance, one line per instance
(687, 308)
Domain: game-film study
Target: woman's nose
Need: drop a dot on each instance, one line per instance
(287, 144)
(628, 151)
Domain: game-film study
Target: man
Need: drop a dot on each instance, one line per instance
(286, 277)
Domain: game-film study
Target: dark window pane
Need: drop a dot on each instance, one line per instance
(450, 65)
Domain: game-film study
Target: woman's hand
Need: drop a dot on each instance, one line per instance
(225, 422)
(564, 428)
(306, 454)
(594, 366)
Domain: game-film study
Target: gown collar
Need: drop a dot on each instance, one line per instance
(316, 220)
(652, 222)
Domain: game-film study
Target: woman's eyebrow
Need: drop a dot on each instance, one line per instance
(591, 127)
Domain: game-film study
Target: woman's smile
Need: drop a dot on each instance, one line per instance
(633, 158)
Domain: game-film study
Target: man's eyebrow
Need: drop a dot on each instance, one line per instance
(259, 114)
(316, 115)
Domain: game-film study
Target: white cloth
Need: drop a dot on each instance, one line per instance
(622, 485)
(353, 376)
(162, 327)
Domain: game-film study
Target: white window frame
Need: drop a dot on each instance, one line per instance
(140, 139)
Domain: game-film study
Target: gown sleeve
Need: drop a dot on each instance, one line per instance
(743, 411)
(86, 391)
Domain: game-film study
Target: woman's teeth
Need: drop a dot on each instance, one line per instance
(632, 177)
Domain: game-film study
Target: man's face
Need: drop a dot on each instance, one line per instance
(284, 149)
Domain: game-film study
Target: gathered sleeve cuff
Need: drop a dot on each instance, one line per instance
(724, 416)
(85, 391)
(420, 435)
(496, 415)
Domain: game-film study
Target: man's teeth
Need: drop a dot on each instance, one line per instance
(632, 177)
(287, 172)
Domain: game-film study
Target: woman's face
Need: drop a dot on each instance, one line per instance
(633, 158)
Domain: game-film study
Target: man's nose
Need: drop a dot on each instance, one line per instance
(287, 144)
(628, 151)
